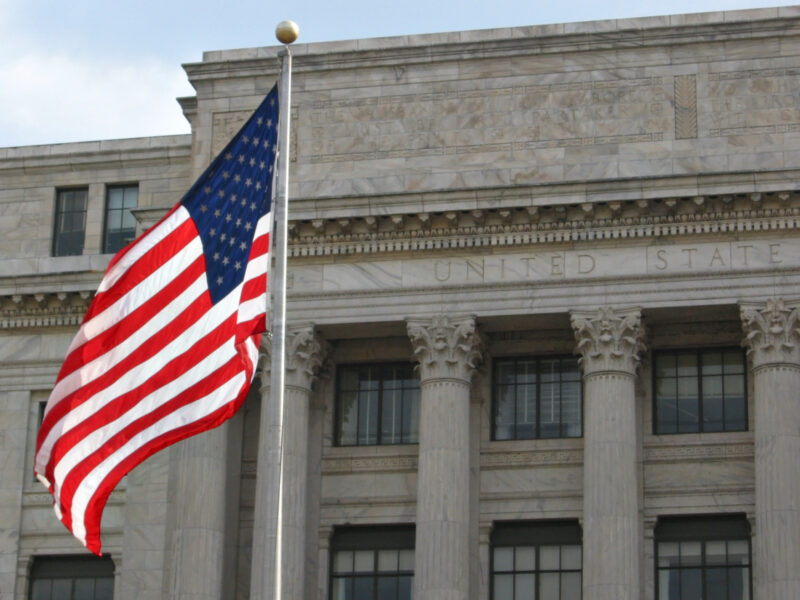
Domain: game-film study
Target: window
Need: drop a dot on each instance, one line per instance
(120, 223)
(372, 563)
(537, 398)
(72, 578)
(536, 561)
(70, 226)
(700, 557)
(377, 404)
(700, 391)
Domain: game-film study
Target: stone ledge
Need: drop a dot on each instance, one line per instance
(44, 309)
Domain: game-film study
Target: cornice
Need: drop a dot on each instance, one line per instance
(43, 309)
(500, 43)
(546, 224)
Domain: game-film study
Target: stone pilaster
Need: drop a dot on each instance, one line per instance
(447, 350)
(610, 343)
(772, 339)
(304, 354)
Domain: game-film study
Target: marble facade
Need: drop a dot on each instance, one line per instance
(608, 189)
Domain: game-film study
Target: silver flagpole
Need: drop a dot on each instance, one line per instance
(266, 561)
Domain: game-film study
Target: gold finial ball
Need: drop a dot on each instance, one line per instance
(287, 32)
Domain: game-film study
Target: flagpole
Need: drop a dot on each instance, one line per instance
(267, 561)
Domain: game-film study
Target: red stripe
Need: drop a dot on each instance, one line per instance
(211, 382)
(260, 246)
(118, 256)
(254, 287)
(94, 510)
(121, 331)
(154, 344)
(150, 382)
(144, 267)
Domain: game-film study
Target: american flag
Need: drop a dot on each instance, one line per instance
(169, 345)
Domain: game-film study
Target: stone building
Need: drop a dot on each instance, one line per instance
(584, 237)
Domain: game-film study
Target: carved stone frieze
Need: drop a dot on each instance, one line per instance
(609, 339)
(772, 332)
(674, 453)
(44, 309)
(526, 224)
(445, 347)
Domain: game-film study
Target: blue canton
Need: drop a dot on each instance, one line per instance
(231, 196)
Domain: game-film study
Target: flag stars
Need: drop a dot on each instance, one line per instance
(248, 182)
(260, 120)
(237, 265)
(238, 222)
(207, 190)
(217, 213)
(248, 226)
(256, 141)
(232, 241)
(240, 159)
(203, 208)
(253, 206)
(222, 237)
(237, 178)
(219, 280)
(243, 246)
(226, 261)
(262, 165)
(228, 156)
(244, 201)
(258, 185)
(216, 255)
(225, 175)
(245, 139)
(212, 232)
(221, 193)
(252, 162)
(228, 218)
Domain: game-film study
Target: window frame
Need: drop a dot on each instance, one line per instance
(72, 568)
(698, 352)
(538, 359)
(109, 189)
(702, 529)
(373, 538)
(538, 533)
(337, 414)
(54, 248)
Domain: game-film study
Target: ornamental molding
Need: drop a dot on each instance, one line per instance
(526, 225)
(445, 347)
(44, 309)
(609, 339)
(674, 453)
(772, 332)
(305, 353)
(531, 458)
(369, 464)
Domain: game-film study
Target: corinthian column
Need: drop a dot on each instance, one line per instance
(772, 338)
(305, 352)
(610, 343)
(447, 350)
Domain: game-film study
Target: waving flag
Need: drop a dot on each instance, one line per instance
(169, 345)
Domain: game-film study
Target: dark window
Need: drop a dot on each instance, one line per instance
(120, 223)
(372, 563)
(70, 229)
(377, 404)
(537, 398)
(700, 391)
(537, 560)
(72, 578)
(699, 557)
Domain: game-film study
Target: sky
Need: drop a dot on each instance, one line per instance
(106, 69)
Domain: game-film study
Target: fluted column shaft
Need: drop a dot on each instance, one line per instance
(304, 355)
(610, 343)
(447, 349)
(772, 336)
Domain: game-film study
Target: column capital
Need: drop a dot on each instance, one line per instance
(305, 353)
(771, 332)
(445, 347)
(609, 339)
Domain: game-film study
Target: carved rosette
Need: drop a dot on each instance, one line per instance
(609, 340)
(445, 347)
(771, 332)
(305, 353)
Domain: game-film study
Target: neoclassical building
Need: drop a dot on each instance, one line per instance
(543, 324)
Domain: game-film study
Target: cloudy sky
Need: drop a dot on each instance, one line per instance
(100, 69)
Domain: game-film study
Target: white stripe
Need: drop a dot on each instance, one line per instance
(252, 308)
(138, 295)
(95, 440)
(145, 243)
(140, 373)
(184, 415)
(256, 267)
(263, 225)
(93, 369)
